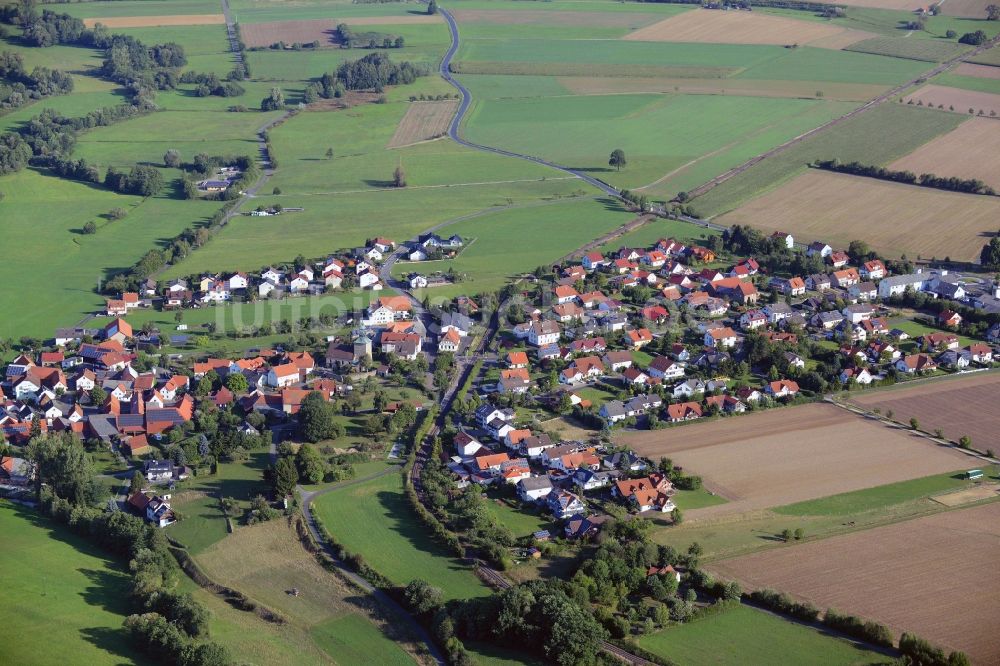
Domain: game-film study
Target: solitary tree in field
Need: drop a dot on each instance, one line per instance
(329, 153)
(172, 158)
(432, 7)
(617, 159)
(399, 177)
(993, 12)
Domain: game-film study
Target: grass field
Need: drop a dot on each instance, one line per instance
(742, 635)
(912, 49)
(840, 208)
(877, 137)
(506, 243)
(581, 131)
(59, 586)
(374, 520)
(881, 574)
(970, 151)
(266, 561)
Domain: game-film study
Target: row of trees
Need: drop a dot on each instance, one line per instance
(211, 84)
(953, 184)
(169, 625)
(18, 87)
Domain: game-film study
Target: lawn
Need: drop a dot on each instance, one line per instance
(696, 499)
(521, 522)
(880, 497)
(375, 520)
(915, 329)
(64, 599)
(879, 136)
(743, 635)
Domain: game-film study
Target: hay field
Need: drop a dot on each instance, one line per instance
(931, 576)
(423, 121)
(971, 151)
(892, 217)
(321, 30)
(156, 21)
(710, 26)
(978, 71)
(962, 406)
(266, 561)
(783, 456)
(962, 100)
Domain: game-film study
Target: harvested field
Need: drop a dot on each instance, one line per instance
(892, 217)
(979, 71)
(957, 407)
(321, 30)
(156, 21)
(708, 26)
(902, 5)
(556, 18)
(596, 85)
(931, 576)
(971, 151)
(423, 121)
(962, 100)
(783, 456)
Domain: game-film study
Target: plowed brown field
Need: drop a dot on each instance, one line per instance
(933, 576)
(788, 455)
(964, 406)
(321, 30)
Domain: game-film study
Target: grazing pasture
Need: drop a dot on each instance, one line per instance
(155, 21)
(709, 26)
(957, 407)
(375, 520)
(423, 121)
(970, 151)
(840, 208)
(64, 598)
(320, 30)
(744, 635)
(884, 575)
(266, 561)
(789, 455)
(962, 101)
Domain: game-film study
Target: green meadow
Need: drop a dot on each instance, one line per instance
(876, 137)
(353, 640)
(64, 599)
(742, 635)
(375, 520)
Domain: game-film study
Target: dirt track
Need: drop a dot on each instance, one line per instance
(933, 576)
(788, 455)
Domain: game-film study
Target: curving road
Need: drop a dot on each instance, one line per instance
(463, 108)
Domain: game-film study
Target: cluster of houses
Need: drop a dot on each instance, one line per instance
(491, 450)
(360, 267)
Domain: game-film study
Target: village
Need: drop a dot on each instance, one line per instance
(638, 338)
